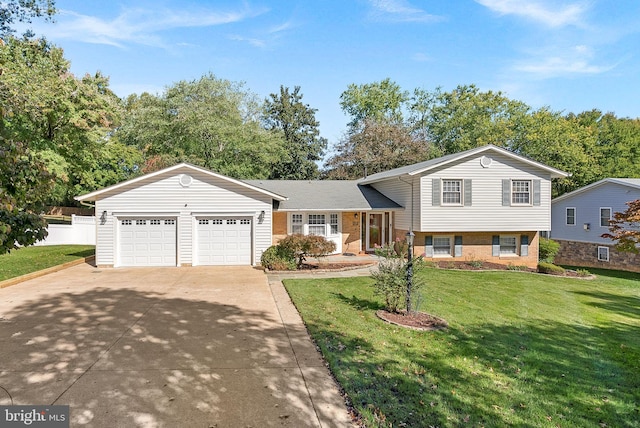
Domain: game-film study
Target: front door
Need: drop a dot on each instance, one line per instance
(378, 230)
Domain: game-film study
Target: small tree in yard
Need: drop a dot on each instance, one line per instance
(303, 246)
(625, 228)
(391, 277)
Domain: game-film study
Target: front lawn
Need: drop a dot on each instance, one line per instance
(31, 259)
(521, 350)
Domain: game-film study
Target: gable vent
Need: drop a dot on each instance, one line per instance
(186, 180)
(486, 161)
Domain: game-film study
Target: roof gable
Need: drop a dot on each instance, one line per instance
(166, 171)
(425, 166)
(633, 183)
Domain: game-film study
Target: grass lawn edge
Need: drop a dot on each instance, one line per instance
(18, 279)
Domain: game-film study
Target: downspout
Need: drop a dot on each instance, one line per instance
(410, 184)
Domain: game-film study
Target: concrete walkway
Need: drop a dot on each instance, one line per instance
(164, 347)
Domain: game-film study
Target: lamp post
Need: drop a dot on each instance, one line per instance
(410, 235)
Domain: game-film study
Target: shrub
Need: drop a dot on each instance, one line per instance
(550, 268)
(303, 246)
(391, 282)
(278, 258)
(583, 272)
(548, 249)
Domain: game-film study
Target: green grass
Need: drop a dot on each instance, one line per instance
(521, 350)
(32, 259)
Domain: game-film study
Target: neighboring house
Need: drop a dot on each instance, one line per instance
(482, 204)
(579, 218)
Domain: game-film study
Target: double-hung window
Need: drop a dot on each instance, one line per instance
(521, 192)
(333, 224)
(317, 224)
(441, 246)
(451, 192)
(571, 216)
(603, 254)
(605, 216)
(508, 245)
(297, 223)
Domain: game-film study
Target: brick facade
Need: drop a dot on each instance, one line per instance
(279, 230)
(351, 233)
(586, 254)
(478, 246)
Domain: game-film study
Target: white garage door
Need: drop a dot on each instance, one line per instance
(147, 241)
(223, 241)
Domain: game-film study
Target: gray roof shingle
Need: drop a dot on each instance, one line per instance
(326, 195)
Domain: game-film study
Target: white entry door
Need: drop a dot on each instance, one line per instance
(223, 241)
(147, 241)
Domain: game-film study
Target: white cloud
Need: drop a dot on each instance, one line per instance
(138, 26)
(399, 11)
(552, 16)
(576, 60)
(253, 41)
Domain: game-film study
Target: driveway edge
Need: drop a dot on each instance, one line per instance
(18, 279)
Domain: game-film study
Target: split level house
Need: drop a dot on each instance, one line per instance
(579, 219)
(485, 204)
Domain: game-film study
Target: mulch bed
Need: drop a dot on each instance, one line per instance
(414, 320)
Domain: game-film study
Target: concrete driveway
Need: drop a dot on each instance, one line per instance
(164, 347)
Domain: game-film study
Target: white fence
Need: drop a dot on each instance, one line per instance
(81, 231)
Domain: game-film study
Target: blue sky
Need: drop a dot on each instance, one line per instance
(569, 55)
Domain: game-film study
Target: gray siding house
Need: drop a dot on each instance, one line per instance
(579, 218)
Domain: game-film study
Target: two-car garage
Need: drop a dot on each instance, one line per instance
(183, 215)
(152, 241)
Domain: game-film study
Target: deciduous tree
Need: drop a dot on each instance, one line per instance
(24, 184)
(211, 122)
(624, 228)
(286, 113)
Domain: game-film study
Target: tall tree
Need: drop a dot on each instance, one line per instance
(625, 228)
(23, 11)
(382, 101)
(379, 146)
(63, 118)
(560, 142)
(24, 184)
(210, 122)
(467, 117)
(286, 113)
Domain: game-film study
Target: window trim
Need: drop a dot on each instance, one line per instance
(600, 247)
(515, 246)
(566, 216)
(460, 192)
(610, 216)
(305, 224)
(529, 193)
(451, 246)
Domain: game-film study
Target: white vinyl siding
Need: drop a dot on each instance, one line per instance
(163, 195)
(400, 192)
(487, 203)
